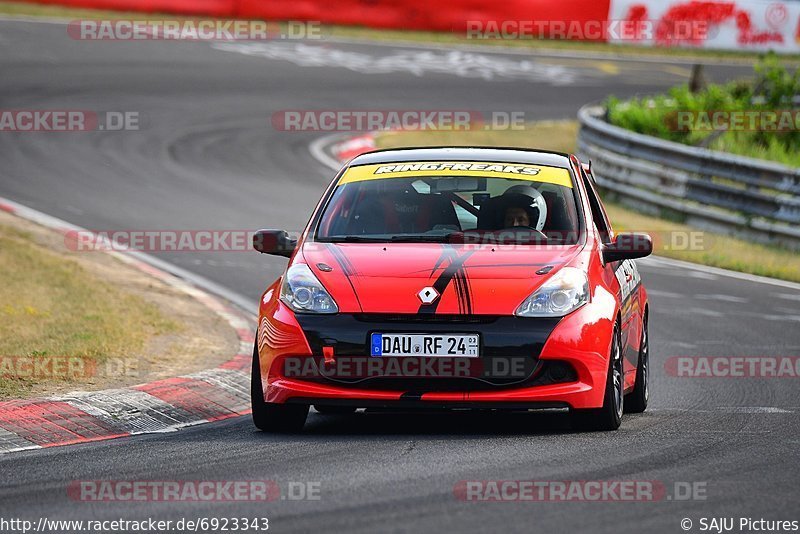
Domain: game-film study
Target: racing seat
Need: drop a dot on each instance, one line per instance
(436, 212)
(558, 221)
(372, 215)
(401, 211)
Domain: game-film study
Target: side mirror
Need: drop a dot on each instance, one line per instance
(628, 247)
(275, 242)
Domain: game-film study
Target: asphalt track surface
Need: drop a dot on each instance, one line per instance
(207, 157)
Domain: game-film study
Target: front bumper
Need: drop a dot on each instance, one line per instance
(524, 363)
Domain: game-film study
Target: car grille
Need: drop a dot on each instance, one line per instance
(539, 373)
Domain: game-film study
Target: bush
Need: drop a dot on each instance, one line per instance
(773, 88)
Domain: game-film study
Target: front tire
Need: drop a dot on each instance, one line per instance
(609, 417)
(270, 416)
(636, 401)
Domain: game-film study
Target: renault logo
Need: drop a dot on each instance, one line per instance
(428, 295)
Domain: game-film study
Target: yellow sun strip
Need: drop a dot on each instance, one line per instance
(480, 169)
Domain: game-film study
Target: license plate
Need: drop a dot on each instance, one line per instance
(436, 345)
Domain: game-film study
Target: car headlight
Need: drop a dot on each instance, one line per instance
(303, 292)
(564, 293)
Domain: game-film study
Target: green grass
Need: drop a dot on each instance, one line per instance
(676, 115)
(718, 250)
(558, 136)
(51, 306)
(415, 36)
(656, 116)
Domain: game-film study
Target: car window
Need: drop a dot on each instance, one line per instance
(599, 215)
(538, 207)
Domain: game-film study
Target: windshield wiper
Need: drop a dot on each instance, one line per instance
(411, 238)
(421, 238)
(354, 239)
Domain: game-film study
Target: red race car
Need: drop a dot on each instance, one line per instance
(446, 278)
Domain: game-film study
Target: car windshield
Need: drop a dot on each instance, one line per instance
(452, 202)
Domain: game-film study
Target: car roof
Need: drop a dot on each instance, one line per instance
(505, 155)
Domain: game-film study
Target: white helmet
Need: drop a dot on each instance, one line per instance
(533, 200)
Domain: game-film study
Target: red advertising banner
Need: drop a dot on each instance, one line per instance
(734, 25)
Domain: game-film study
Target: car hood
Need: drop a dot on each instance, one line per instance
(469, 279)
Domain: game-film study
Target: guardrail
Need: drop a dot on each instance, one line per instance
(755, 199)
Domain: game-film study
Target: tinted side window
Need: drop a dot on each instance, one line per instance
(598, 213)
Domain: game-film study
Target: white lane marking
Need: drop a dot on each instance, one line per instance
(684, 265)
(703, 311)
(730, 431)
(728, 409)
(138, 412)
(318, 149)
(544, 52)
(664, 294)
(722, 298)
(10, 442)
(364, 143)
(752, 409)
(681, 344)
(488, 49)
(787, 296)
(773, 317)
(201, 282)
(765, 316)
(416, 62)
(237, 383)
(653, 262)
(701, 275)
(131, 411)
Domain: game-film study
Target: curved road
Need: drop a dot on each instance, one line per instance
(207, 156)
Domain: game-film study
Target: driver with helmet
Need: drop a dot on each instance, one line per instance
(523, 206)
